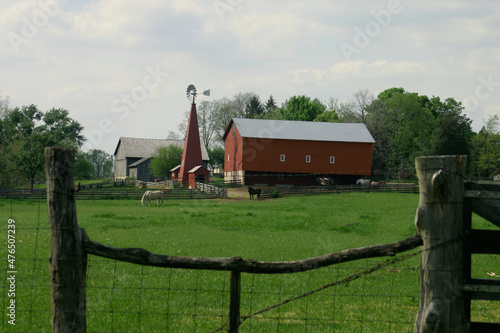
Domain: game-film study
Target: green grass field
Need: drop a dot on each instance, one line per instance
(123, 297)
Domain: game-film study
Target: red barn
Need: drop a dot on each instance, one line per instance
(296, 152)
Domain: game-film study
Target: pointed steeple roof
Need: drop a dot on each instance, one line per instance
(191, 157)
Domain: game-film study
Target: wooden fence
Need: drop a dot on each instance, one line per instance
(284, 190)
(211, 190)
(115, 194)
(204, 190)
(483, 200)
(440, 216)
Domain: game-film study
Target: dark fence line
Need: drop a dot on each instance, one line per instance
(282, 190)
(118, 194)
(207, 191)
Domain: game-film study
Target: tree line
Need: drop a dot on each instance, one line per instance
(26, 131)
(404, 125)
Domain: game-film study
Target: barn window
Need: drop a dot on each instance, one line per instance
(308, 158)
(280, 176)
(234, 131)
(332, 159)
(228, 157)
(282, 158)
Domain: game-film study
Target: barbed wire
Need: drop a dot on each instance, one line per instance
(343, 281)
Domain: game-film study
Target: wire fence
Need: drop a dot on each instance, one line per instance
(123, 297)
(344, 298)
(25, 290)
(362, 295)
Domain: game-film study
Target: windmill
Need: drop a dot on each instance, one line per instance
(191, 91)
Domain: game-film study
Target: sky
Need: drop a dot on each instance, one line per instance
(122, 67)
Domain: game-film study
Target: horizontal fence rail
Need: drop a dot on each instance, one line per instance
(238, 264)
(117, 194)
(204, 190)
(306, 190)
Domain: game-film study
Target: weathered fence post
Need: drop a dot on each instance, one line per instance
(68, 260)
(439, 220)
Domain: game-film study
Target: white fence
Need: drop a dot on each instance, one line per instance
(211, 189)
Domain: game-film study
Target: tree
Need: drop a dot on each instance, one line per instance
(28, 131)
(4, 106)
(486, 149)
(102, 163)
(270, 104)
(301, 108)
(388, 93)
(206, 123)
(216, 157)
(94, 164)
(240, 102)
(343, 111)
(224, 110)
(254, 107)
(164, 159)
(401, 129)
(453, 134)
(362, 100)
(83, 167)
(9, 176)
(328, 116)
(173, 136)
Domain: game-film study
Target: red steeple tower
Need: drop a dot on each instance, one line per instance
(191, 156)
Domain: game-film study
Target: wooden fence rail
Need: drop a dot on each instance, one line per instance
(209, 191)
(311, 190)
(444, 295)
(117, 194)
(238, 264)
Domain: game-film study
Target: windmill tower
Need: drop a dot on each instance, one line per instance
(191, 169)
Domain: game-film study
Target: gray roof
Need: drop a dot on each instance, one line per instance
(145, 148)
(303, 130)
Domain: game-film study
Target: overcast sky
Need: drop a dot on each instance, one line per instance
(122, 67)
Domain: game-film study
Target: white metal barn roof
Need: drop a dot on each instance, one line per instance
(303, 130)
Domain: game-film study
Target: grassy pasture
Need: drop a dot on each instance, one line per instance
(123, 297)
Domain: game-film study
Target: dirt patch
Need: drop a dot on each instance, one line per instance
(241, 192)
(237, 192)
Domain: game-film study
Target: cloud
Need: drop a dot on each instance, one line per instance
(379, 68)
(91, 52)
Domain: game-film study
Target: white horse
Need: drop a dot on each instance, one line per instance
(151, 195)
(363, 182)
